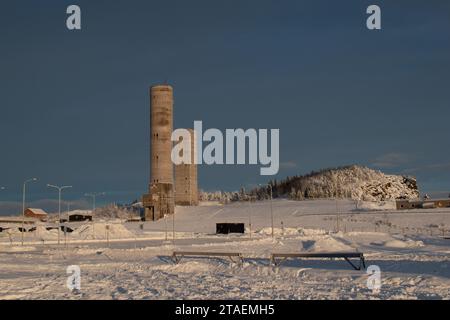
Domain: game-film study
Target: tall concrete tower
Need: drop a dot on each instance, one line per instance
(186, 190)
(160, 199)
(161, 122)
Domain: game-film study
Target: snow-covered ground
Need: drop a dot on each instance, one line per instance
(120, 260)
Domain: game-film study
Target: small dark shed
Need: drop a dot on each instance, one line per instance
(226, 228)
(80, 217)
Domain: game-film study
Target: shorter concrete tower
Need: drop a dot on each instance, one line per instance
(186, 189)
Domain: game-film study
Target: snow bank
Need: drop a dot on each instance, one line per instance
(324, 244)
(17, 248)
(291, 231)
(187, 267)
(401, 243)
(373, 206)
(102, 231)
(209, 203)
(312, 232)
(278, 231)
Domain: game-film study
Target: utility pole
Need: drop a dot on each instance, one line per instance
(23, 204)
(94, 197)
(190, 181)
(59, 206)
(65, 226)
(337, 215)
(173, 226)
(165, 223)
(2, 188)
(271, 207)
(250, 216)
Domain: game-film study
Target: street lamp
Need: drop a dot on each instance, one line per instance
(250, 215)
(249, 209)
(165, 222)
(271, 207)
(23, 203)
(94, 197)
(173, 226)
(337, 208)
(59, 205)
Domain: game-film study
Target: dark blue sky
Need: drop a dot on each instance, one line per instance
(75, 106)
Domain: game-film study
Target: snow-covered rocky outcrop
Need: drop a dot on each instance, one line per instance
(356, 182)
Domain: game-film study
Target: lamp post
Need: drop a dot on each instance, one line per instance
(165, 221)
(23, 203)
(94, 197)
(337, 208)
(2, 188)
(173, 226)
(271, 207)
(337, 215)
(65, 228)
(59, 205)
(250, 215)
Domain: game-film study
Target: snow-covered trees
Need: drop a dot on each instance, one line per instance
(352, 182)
(356, 182)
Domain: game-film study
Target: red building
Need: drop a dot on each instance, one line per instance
(36, 213)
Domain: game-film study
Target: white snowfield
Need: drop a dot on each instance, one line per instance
(119, 260)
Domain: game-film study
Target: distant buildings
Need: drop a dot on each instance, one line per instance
(404, 204)
(80, 217)
(36, 213)
(162, 193)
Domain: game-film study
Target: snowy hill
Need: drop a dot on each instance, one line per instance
(356, 182)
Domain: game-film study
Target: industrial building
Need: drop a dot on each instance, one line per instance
(186, 190)
(404, 204)
(161, 196)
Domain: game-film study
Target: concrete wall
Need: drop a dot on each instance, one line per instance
(159, 202)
